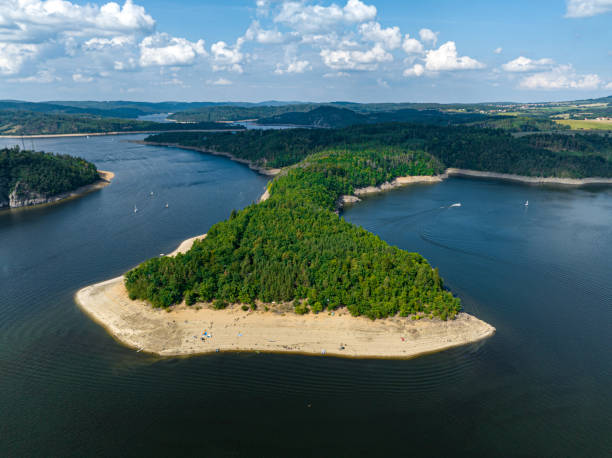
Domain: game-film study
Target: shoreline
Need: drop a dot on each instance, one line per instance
(101, 134)
(262, 170)
(527, 179)
(400, 182)
(179, 331)
(105, 179)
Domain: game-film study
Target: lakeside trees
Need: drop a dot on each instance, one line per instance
(468, 147)
(43, 173)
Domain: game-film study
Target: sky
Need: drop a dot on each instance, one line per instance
(306, 50)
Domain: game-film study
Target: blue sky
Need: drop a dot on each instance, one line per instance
(321, 50)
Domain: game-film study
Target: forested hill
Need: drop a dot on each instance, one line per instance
(16, 122)
(294, 249)
(27, 173)
(467, 147)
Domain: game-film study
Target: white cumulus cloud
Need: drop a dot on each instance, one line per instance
(428, 36)
(412, 45)
(586, 8)
(561, 77)
(310, 18)
(389, 38)
(227, 57)
(163, 50)
(13, 56)
(355, 60)
(256, 33)
(415, 70)
(524, 64)
(498, 50)
(445, 58)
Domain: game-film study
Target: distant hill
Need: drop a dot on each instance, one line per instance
(325, 116)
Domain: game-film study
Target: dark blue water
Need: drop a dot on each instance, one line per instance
(539, 387)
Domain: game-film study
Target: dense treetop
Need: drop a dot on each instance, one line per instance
(16, 122)
(43, 173)
(468, 147)
(294, 248)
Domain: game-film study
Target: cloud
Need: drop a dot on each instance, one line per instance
(357, 11)
(415, 70)
(35, 21)
(227, 57)
(498, 50)
(445, 58)
(561, 77)
(256, 33)
(163, 50)
(524, 64)
(97, 44)
(355, 60)
(428, 36)
(80, 78)
(296, 66)
(42, 76)
(390, 38)
(587, 8)
(312, 18)
(412, 45)
(13, 56)
(33, 29)
(220, 82)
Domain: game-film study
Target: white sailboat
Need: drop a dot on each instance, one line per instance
(135, 209)
(526, 203)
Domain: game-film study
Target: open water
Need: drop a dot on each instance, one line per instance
(542, 275)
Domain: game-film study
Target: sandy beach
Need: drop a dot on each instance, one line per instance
(179, 331)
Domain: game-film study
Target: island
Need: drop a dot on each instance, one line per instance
(30, 178)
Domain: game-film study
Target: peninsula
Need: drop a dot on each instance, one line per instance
(30, 178)
(292, 276)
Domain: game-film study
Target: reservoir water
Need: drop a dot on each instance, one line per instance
(542, 275)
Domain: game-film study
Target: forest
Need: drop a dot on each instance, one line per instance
(461, 146)
(43, 173)
(293, 248)
(35, 123)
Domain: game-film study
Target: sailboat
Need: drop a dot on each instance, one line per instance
(135, 209)
(526, 203)
(166, 204)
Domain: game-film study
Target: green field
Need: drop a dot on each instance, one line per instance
(580, 124)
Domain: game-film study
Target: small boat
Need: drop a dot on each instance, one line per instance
(135, 209)
(458, 204)
(166, 204)
(526, 203)
(151, 192)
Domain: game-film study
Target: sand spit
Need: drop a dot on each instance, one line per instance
(39, 201)
(179, 332)
(256, 168)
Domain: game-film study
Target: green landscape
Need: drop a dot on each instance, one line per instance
(294, 248)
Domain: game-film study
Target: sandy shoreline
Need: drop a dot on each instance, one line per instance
(105, 179)
(180, 331)
(527, 179)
